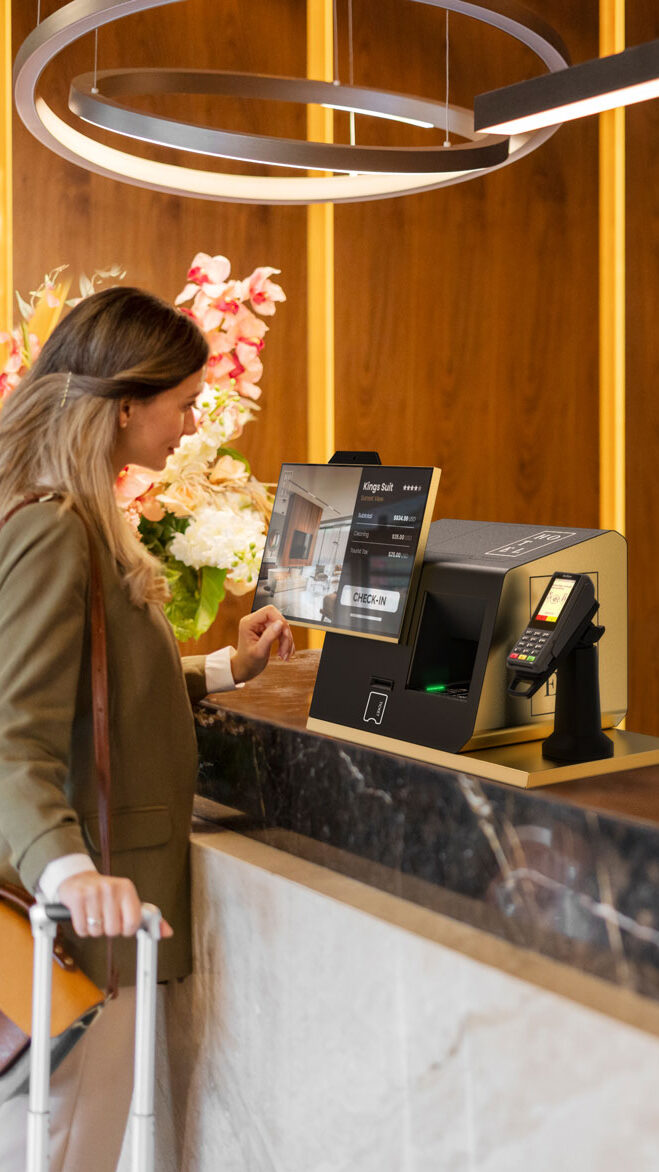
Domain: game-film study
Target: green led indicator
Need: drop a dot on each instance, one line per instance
(436, 688)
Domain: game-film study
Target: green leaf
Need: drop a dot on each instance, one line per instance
(211, 595)
(156, 535)
(181, 610)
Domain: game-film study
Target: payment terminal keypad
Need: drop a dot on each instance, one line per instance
(529, 646)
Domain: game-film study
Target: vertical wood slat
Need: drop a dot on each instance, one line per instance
(320, 251)
(320, 260)
(6, 226)
(612, 287)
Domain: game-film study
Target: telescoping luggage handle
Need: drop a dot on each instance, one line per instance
(44, 918)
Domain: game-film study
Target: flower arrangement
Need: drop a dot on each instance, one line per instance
(205, 516)
(39, 314)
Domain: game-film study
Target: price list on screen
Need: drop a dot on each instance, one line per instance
(382, 546)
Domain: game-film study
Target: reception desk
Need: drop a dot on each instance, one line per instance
(401, 967)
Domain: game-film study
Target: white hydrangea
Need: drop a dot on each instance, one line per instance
(219, 537)
(196, 452)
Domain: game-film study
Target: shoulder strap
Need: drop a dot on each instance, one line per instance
(100, 705)
(28, 500)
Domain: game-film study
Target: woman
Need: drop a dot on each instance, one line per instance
(114, 384)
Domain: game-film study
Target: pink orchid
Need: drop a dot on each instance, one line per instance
(248, 390)
(236, 380)
(207, 316)
(207, 272)
(219, 365)
(15, 357)
(219, 342)
(231, 298)
(8, 383)
(248, 360)
(246, 327)
(262, 292)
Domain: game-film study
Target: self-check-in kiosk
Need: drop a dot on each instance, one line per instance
(493, 611)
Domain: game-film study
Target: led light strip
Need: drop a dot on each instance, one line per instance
(601, 84)
(82, 16)
(612, 289)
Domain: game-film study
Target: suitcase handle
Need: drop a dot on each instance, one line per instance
(59, 914)
(44, 918)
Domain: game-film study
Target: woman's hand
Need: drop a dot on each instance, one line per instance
(102, 905)
(256, 634)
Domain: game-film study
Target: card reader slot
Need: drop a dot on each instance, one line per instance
(384, 684)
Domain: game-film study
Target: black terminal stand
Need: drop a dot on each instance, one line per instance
(570, 651)
(577, 734)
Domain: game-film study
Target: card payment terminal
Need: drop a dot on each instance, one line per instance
(558, 624)
(561, 638)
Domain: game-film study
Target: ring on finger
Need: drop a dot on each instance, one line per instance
(93, 922)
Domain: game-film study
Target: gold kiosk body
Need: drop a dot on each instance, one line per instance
(441, 694)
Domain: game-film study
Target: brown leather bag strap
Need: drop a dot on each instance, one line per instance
(101, 721)
(18, 897)
(28, 500)
(100, 704)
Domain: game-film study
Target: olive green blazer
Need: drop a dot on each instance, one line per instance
(47, 786)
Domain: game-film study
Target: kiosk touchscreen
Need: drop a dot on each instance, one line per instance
(344, 545)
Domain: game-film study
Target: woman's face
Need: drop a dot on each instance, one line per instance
(150, 429)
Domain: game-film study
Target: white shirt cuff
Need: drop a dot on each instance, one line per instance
(219, 677)
(59, 870)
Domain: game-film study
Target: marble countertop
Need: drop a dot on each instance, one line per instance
(569, 872)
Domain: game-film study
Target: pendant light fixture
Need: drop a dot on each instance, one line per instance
(589, 88)
(357, 172)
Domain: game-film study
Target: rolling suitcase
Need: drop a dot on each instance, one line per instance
(44, 920)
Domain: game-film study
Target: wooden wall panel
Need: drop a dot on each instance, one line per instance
(642, 383)
(466, 319)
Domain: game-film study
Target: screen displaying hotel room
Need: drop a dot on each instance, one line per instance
(307, 540)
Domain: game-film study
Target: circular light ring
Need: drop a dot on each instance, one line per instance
(78, 17)
(258, 148)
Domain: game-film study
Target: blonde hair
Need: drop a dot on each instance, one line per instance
(58, 429)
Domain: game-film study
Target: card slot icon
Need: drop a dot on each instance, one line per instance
(375, 706)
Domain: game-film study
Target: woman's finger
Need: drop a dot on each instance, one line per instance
(286, 643)
(111, 912)
(76, 906)
(94, 916)
(131, 912)
(266, 640)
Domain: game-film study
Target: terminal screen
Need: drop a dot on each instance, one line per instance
(344, 543)
(553, 601)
